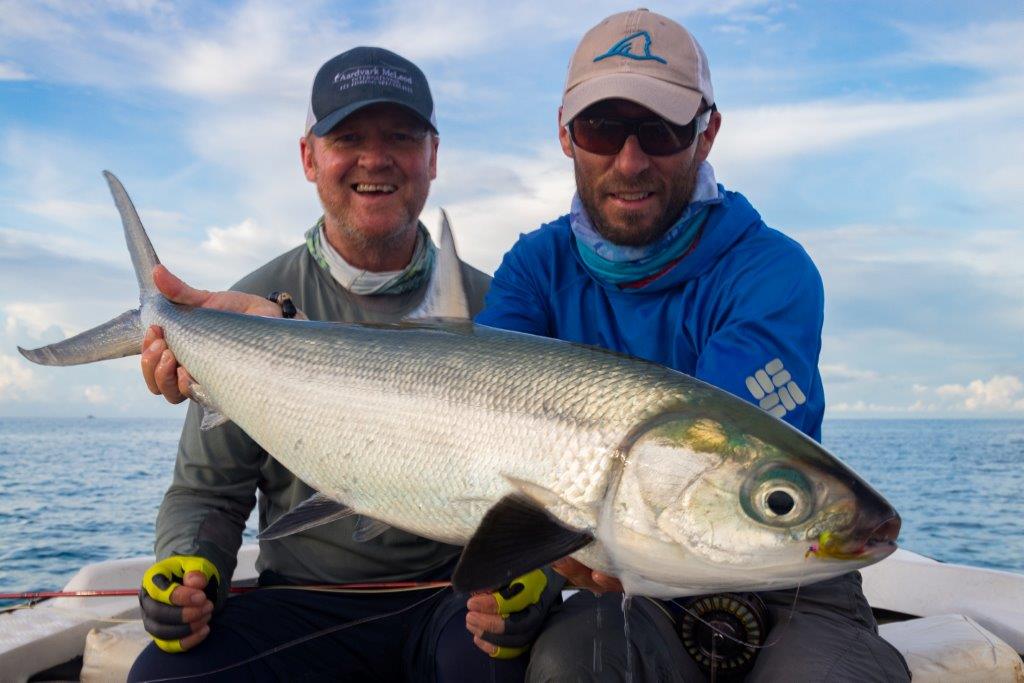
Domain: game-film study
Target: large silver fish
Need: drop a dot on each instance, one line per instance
(522, 448)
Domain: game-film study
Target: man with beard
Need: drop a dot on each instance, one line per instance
(658, 260)
(371, 150)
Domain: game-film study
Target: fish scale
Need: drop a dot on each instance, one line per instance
(526, 422)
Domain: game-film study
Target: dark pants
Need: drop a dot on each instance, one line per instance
(828, 634)
(410, 636)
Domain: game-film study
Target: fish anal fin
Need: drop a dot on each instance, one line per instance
(212, 417)
(516, 536)
(315, 511)
(368, 528)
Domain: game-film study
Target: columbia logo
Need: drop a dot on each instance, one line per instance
(775, 390)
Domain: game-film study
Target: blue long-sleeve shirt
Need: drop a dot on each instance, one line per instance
(742, 311)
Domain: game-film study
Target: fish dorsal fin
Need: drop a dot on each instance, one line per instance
(446, 296)
(368, 528)
(315, 511)
(516, 536)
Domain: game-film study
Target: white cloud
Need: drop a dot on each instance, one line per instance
(16, 378)
(10, 71)
(253, 51)
(999, 393)
(269, 49)
(835, 373)
(34, 319)
(71, 213)
(779, 132)
(247, 240)
(863, 407)
(522, 193)
(96, 394)
(994, 47)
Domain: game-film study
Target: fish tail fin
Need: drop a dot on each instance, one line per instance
(115, 338)
(123, 335)
(144, 257)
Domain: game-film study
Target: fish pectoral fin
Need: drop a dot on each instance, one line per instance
(212, 417)
(556, 506)
(316, 510)
(368, 528)
(544, 497)
(516, 536)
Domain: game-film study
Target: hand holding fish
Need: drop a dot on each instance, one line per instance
(580, 575)
(160, 369)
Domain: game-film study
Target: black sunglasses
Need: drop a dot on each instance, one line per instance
(657, 137)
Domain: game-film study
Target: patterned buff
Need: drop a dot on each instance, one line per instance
(617, 264)
(365, 282)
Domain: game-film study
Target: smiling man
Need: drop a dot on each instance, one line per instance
(370, 148)
(657, 260)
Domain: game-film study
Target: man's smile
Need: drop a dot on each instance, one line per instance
(374, 188)
(631, 199)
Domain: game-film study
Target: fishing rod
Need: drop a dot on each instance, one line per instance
(367, 587)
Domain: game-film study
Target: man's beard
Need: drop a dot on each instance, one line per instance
(631, 233)
(381, 243)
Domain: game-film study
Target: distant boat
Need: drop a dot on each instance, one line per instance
(90, 417)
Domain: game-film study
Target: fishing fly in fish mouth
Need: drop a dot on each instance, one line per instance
(525, 449)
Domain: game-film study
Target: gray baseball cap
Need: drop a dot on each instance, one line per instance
(642, 57)
(363, 76)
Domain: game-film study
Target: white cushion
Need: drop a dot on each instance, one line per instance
(952, 648)
(110, 653)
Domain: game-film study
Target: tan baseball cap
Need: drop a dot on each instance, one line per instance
(642, 57)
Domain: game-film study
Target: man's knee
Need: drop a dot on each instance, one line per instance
(561, 649)
(826, 632)
(585, 640)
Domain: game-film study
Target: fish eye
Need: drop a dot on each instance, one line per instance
(780, 502)
(778, 496)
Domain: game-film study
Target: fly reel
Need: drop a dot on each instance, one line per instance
(722, 632)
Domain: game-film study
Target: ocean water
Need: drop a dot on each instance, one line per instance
(74, 491)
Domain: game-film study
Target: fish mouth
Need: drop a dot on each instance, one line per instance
(879, 542)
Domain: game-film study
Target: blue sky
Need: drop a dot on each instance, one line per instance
(888, 138)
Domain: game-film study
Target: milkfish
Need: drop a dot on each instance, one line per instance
(522, 449)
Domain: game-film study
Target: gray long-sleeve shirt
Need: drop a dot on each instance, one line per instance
(218, 472)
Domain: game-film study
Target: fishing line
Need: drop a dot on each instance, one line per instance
(299, 641)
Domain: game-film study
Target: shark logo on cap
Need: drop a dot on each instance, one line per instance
(624, 48)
